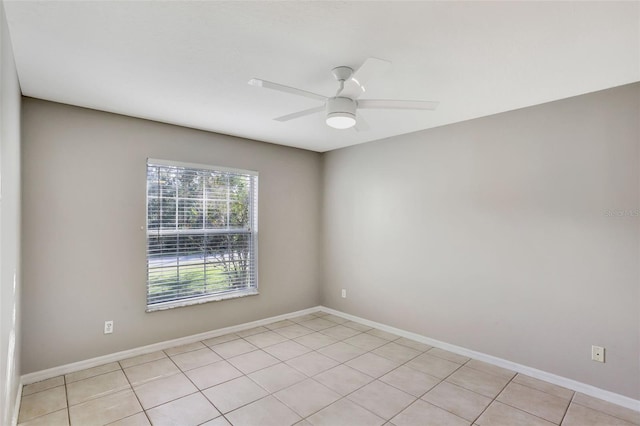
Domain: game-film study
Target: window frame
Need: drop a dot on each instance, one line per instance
(253, 232)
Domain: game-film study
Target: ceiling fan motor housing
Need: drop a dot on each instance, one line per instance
(341, 112)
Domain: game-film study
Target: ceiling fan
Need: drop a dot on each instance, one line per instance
(341, 109)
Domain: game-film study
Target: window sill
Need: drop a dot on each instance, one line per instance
(200, 300)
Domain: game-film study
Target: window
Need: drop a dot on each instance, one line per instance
(201, 233)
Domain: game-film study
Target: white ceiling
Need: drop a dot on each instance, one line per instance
(188, 63)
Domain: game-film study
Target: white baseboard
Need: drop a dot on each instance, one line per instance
(118, 356)
(584, 388)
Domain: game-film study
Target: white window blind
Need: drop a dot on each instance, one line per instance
(202, 225)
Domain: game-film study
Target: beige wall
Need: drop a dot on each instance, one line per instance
(9, 225)
(492, 234)
(84, 187)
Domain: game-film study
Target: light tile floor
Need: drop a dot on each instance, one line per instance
(315, 369)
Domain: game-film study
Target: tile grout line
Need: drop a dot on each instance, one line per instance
(318, 410)
(227, 381)
(312, 377)
(366, 384)
(374, 378)
(135, 394)
(113, 391)
(180, 371)
(272, 394)
(64, 380)
(51, 412)
(198, 390)
(404, 364)
(495, 398)
(517, 408)
(635, 423)
(566, 410)
(443, 381)
(545, 392)
(66, 395)
(243, 375)
(344, 363)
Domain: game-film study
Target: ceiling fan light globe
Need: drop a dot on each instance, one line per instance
(341, 120)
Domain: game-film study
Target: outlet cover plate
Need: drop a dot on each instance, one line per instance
(597, 353)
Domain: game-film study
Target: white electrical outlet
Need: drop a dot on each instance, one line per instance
(597, 353)
(344, 293)
(108, 327)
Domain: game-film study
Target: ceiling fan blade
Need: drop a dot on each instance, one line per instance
(300, 114)
(397, 104)
(356, 85)
(372, 68)
(361, 124)
(282, 88)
